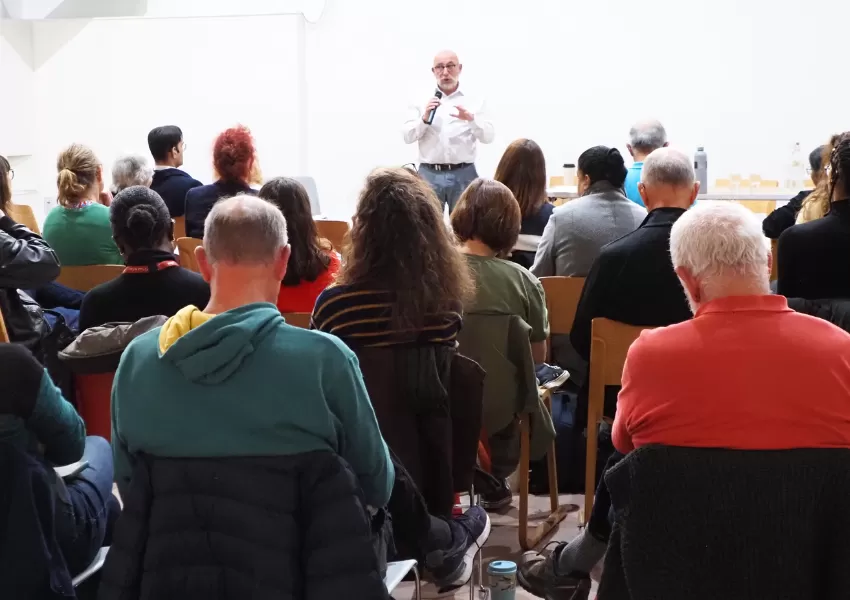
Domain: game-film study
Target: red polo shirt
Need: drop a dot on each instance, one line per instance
(746, 372)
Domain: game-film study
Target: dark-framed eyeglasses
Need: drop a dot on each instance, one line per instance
(451, 67)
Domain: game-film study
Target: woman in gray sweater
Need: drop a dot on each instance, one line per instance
(578, 229)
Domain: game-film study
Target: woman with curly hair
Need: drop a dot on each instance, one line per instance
(236, 168)
(403, 280)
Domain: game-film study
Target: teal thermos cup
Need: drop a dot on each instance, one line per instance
(501, 580)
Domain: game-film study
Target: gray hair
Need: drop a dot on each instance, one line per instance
(668, 166)
(244, 230)
(131, 170)
(647, 136)
(722, 238)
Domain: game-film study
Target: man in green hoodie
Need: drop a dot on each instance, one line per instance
(234, 379)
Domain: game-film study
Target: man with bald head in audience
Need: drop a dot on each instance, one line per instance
(448, 138)
(645, 137)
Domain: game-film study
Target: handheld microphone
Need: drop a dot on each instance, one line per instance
(433, 112)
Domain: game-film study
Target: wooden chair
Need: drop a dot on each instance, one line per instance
(186, 247)
(4, 334)
(809, 184)
(768, 183)
(301, 320)
(609, 344)
(556, 181)
(333, 231)
(722, 183)
(88, 277)
(760, 207)
(562, 296)
(22, 213)
(774, 267)
(179, 227)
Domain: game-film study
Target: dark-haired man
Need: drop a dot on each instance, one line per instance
(169, 181)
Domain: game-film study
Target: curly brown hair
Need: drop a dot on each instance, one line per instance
(399, 243)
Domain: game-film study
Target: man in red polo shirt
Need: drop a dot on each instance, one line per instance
(746, 372)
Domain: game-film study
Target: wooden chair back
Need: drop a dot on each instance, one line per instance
(333, 231)
(557, 180)
(301, 320)
(186, 248)
(179, 227)
(562, 296)
(23, 214)
(768, 183)
(85, 278)
(4, 334)
(609, 344)
(774, 267)
(760, 207)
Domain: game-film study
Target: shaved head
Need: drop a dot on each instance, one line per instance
(446, 69)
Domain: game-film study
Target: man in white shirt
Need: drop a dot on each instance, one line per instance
(448, 145)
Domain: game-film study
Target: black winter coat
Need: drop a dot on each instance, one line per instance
(269, 528)
(835, 311)
(172, 185)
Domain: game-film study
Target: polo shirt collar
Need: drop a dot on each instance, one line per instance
(734, 304)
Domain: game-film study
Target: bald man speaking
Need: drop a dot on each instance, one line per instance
(448, 139)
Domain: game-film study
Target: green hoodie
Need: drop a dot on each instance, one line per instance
(244, 383)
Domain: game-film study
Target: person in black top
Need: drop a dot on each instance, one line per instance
(814, 257)
(523, 169)
(153, 283)
(235, 161)
(785, 216)
(169, 181)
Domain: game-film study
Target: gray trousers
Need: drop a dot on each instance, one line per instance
(449, 185)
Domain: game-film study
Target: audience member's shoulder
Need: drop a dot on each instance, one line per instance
(818, 329)
(515, 270)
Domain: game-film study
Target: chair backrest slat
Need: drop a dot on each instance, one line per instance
(562, 296)
(85, 278)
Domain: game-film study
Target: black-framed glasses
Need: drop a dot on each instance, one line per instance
(441, 67)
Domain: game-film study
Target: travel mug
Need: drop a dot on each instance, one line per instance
(501, 580)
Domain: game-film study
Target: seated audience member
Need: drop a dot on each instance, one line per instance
(313, 264)
(26, 262)
(37, 420)
(197, 363)
(814, 258)
(786, 216)
(633, 281)
(153, 282)
(130, 170)
(486, 221)
(578, 229)
(413, 306)
(644, 138)
(236, 166)
(403, 282)
(714, 381)
(169, 181)
(78, 229)
(523, 170)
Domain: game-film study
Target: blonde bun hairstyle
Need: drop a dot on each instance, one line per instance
(78, 169)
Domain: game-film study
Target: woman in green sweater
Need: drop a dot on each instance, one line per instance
(78, 229)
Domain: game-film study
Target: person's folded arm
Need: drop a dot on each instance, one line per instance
(537, 317)
(361, 442)
(783, 217)
(26, 260)
(544, 259)
(792, 279)
(30, 395)
(122, 458)
(626, 401)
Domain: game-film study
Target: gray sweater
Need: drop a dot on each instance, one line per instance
(578, 229)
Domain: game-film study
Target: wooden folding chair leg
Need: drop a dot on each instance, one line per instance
(590, 463)
(552, 461)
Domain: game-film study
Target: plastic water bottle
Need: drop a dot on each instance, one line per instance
(796, 169)
(701, 169)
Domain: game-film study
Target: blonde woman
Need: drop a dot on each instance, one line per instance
(78, 229)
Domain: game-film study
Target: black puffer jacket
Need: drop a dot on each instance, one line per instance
(836, 311)
(291, 527)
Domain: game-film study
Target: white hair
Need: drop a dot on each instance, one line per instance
(668, 166)
(647, 136)
(244, 230)
(712, 240)
(130, 170)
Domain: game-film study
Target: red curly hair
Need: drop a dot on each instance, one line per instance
(234, 154)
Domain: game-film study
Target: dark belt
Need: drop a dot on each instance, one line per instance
(445, 167)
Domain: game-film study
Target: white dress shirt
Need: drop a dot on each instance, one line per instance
(449, 140)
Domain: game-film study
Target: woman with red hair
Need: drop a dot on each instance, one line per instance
(236, 167)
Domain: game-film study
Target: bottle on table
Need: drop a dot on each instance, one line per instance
(701, 169)
(569, 174)
(796, 169)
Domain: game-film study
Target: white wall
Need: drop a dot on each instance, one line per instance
(745, 78)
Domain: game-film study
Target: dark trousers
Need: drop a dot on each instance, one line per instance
(86, 514)
(416, 533)
(449, 185)
(61, 299)
(599, 525)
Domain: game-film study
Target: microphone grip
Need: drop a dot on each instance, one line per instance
(433, 112)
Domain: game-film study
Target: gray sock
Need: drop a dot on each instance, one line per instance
(581, 554)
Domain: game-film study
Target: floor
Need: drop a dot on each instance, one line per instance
(504, 543)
